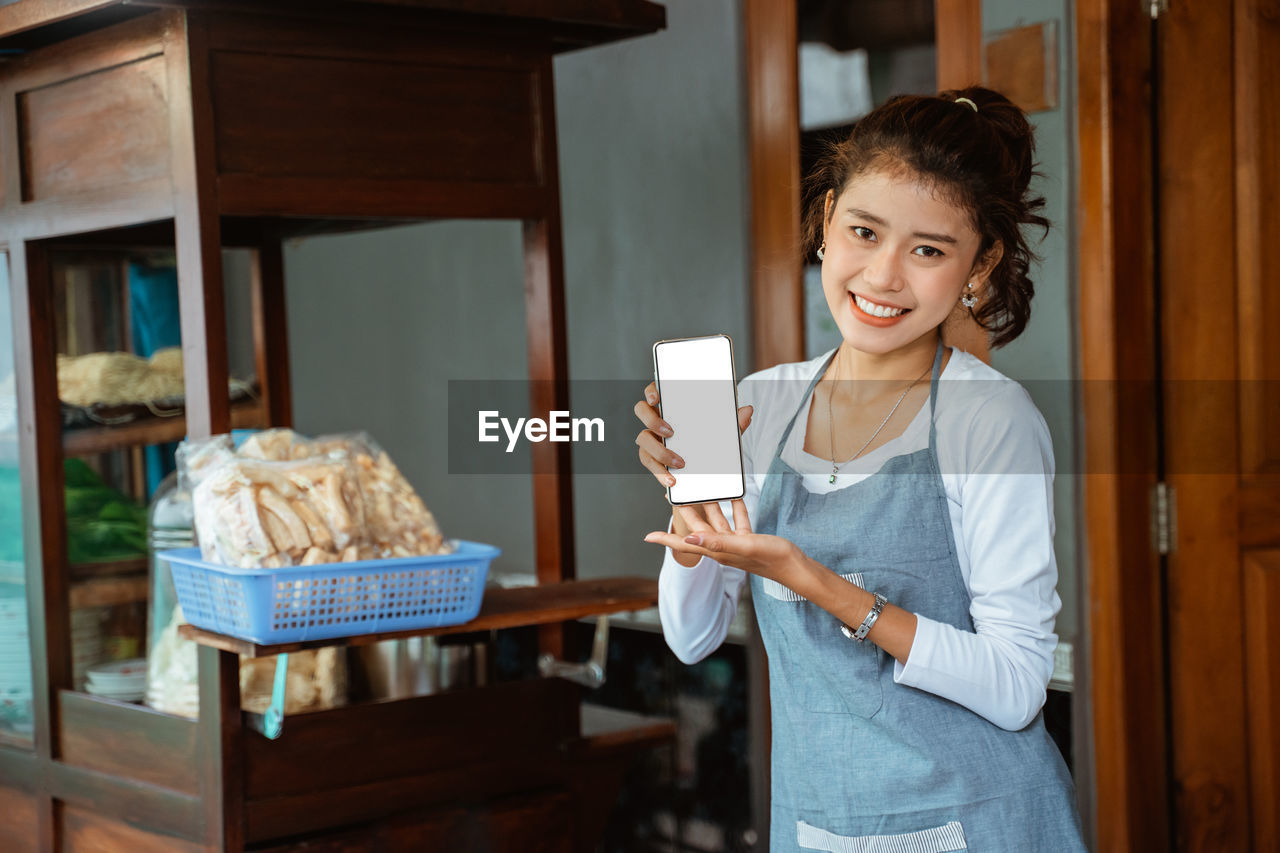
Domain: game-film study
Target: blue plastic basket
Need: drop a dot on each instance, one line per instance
(331, 599)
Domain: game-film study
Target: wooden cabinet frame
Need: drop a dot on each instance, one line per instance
(223, 140)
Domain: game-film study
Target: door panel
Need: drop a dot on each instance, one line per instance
(1196, 247)
(1262, 669)
(1256, 40)
(1222, 448)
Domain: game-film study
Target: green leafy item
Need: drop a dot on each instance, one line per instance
(102, 523)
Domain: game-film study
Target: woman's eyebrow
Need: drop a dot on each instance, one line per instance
(871, 217)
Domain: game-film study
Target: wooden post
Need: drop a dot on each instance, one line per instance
(773, 134)
(548, 343)
(958, 29)
(44, 517)
(958, 36)
(1123, 620)
(271, 332)
(198, 238)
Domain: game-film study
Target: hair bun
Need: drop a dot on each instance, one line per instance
(1011, 126)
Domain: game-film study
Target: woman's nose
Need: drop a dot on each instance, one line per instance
(882, 271)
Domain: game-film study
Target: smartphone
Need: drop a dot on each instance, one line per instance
(698, 397)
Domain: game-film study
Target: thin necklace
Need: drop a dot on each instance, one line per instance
(831, 434)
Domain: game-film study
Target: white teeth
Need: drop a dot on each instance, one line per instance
(877, 310)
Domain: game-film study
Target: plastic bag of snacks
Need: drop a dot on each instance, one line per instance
(316, 679)
(254, 513)
(398, 522)
(286, 500)
(196, 457)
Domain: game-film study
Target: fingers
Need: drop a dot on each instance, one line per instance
(715, 516)
(655, 467)
(676, 543)
(649, 416)
(744, 417)
(653, 448)
(654, 455)
(741, 521)
(693, 519)
(681, 544)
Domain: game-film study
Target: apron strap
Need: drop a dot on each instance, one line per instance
(786, 434)
(933, 397)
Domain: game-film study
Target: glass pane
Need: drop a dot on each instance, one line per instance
(117, 369)
(172, 684)
(15, 647)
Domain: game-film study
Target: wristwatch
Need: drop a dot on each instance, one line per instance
(865, 627)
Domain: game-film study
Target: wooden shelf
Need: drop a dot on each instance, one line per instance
(109, 591)
(130, 571)
(28, 24)
(604, 727)
(85, 441)
(109, 568)
(245, 122)
(502, 608)
(13, 740)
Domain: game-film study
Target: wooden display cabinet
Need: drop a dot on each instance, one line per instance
(204, 124)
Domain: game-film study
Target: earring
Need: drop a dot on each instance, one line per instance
(968, 301)
(822, 250)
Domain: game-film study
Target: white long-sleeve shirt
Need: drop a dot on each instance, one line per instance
(996, 458)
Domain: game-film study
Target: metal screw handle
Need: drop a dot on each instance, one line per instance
(589, 673)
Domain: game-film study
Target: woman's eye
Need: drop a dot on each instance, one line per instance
(929, 252)
(864, 233)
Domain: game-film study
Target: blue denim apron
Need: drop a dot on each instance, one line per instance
(861, 764)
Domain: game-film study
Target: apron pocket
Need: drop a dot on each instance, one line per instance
(839, 675)
(939, 839)
(826, 673)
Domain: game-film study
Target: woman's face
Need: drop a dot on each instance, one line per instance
(892, 245)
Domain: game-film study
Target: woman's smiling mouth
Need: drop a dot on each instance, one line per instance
(874, 313)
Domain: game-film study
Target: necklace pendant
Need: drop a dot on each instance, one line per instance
(832, 478)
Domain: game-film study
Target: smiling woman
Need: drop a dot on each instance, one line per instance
(898, 492)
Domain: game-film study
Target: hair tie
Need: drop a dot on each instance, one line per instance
(967, 101)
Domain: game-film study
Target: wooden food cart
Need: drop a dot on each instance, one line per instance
(204, 124)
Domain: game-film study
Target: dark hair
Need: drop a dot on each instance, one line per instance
(980, 160)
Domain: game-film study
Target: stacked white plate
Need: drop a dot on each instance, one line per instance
(87, 646)
(15, 665)
(125, 680)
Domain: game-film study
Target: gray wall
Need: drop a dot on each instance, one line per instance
(380, 321)
(653, 177)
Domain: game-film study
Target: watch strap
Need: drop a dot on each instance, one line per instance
(865, 628)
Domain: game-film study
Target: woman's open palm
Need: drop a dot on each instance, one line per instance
(737, 545)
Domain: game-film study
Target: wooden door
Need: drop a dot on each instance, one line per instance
(1179, 173)
(1217, 116)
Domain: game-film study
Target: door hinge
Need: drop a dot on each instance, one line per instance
(1163, 519)
(1156, 7)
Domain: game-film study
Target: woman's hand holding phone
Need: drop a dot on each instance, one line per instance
(656, 457)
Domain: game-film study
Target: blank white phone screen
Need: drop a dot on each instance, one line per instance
(697, 398)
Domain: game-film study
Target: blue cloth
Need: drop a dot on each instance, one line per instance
(860, 763)
(156, 324)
